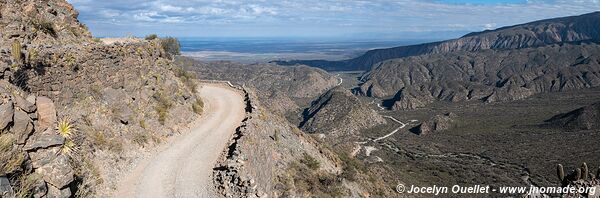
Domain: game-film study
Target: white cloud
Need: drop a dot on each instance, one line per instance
(386, 16)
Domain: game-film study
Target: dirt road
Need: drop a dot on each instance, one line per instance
(183, 167)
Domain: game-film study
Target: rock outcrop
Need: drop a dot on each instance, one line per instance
(534, 34)
(41, 22)
(435, 124)
(338, 113)
(584, 118)
(28, 134)
(486, 75)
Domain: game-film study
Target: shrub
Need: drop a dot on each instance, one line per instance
(170, 45)
(198, 106)
(313, 183)
(45, 26)
(140, 138)
(163, 106)
(26, 184)
(351, 166)
(310, 162)
(10, 157)
(188, 78)
(151, 37)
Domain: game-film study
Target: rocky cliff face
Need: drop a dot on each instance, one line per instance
(32, 146)
(338, 113)
(283, 88)
(119, 97)
(534, 34)
(487, 75)
(584, 118)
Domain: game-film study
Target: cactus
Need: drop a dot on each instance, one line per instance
(584, 171)
(577, 174)
(561, 172)
(16, 51)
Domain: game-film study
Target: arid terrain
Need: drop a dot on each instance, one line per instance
(82, 116)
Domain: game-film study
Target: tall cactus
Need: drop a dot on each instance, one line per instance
(16, 51)
(577, 174)
(584, 171)
(560, 171)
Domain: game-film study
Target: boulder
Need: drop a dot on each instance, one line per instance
(24, 104)
(30, 99)
(39, 189)
(54, 192)
(6, 113)
(57, 173)
(22, 127)
(45, 139)
(46, 113)
(42, 157)
(5, 188)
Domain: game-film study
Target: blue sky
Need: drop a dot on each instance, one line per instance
(412, 19)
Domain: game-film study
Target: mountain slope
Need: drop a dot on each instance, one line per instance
(283, 88)
(487, 75)
(584, 118)
(538, 33)
(339, 114)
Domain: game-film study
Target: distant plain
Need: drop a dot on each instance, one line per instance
(260, 50)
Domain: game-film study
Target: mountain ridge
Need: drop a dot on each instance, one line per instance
(532, 34)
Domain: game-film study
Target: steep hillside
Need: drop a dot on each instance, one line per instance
(538, 33)
(269, 157)
(487, 75)
(113, 99)
(584, 118)
(283, 88)
(339, 114)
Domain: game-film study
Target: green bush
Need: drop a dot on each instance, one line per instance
(170, 45)
(198, 106)
(163, 106)
(310, 162)
(188, 78)
(151, 37)
(313, 183)
(140, 138)
(44, 26)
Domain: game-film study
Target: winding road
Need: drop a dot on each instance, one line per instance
(183, 167)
